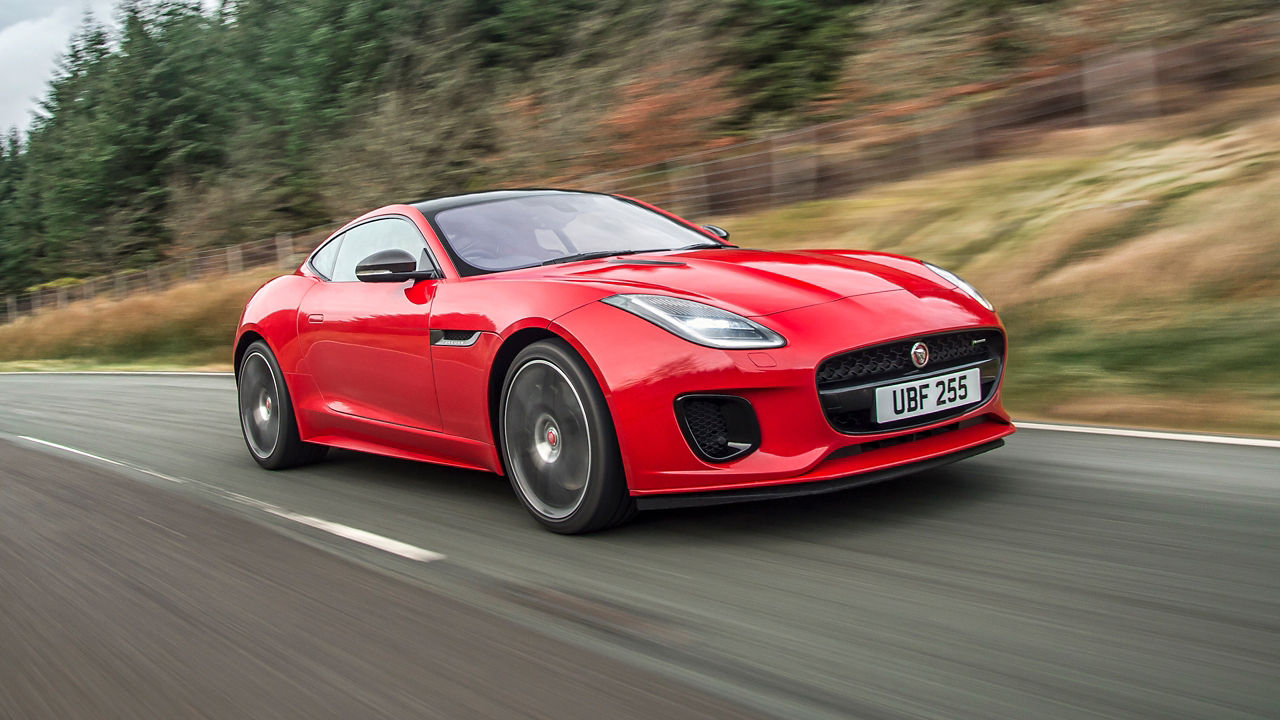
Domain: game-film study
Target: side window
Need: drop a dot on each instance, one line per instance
(322, 262)
(364, 240)
(404, 234)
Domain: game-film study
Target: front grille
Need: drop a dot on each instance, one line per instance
(847, 382)
(893, 360)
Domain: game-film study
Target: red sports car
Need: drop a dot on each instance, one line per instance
(608, 356)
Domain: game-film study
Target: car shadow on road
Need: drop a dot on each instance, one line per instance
(893, 503)
(938, 492)
(410, 476)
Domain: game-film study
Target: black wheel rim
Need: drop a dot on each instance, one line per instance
(546, 439)
(259, 405)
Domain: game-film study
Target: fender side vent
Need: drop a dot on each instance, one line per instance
(454, 338)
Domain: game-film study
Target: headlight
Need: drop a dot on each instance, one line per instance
(965, 287)
(698, 323)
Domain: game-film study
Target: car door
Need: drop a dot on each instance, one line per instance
(367, 344)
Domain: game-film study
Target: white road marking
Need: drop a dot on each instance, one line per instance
(166, 528)
(1151, 434)
(99, 458)
(385, 544)
(364, 537)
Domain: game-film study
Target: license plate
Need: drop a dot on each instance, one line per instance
(924, 397)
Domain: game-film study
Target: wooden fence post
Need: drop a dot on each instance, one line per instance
(777, 172)
(693, 191)
(284, 249)
(235, 259)
(13, 308)
(943, 146)
(1120, 87)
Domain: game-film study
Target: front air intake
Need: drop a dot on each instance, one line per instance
(718, 428)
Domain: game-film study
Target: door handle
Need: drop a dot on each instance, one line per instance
(315, 318)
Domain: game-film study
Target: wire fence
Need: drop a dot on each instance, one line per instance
(826, 160)
(842, 157)
(281, 251)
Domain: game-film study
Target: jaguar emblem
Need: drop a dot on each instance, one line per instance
(919, 354)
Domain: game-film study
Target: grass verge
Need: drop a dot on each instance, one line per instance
(189, 326)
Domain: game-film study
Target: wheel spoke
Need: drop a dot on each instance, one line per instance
(518, 406)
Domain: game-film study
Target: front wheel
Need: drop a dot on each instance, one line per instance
(266, 413)
(558, 442)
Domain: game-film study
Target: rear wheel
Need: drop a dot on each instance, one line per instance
(558, 442)
(266, 413)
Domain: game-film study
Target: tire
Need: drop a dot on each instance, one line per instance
(266, 413)
(558, 443)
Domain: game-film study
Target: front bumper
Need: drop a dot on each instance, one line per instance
(802, 488)
(643, 369)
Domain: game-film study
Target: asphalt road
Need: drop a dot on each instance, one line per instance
(1061, 576)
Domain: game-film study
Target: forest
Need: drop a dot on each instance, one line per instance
(173, 125)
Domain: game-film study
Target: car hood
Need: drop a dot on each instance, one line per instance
(755, 282)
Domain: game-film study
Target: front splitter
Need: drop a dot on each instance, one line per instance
(801, 489)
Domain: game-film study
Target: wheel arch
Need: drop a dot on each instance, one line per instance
(247, 338)
(506, 354)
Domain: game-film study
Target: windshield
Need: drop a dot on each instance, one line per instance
(545, 228)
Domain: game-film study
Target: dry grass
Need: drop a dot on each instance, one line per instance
(190, 326)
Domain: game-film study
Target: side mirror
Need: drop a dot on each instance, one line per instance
(391, 266)
(717, 231)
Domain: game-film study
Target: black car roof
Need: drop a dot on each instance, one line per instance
(430, 207)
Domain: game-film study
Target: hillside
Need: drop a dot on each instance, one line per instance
(1137, 268)
(177, 127)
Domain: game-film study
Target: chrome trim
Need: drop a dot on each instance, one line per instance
(439, 340)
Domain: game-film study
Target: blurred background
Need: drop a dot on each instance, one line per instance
(1105, 170)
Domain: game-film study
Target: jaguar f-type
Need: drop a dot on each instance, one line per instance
(608, 356)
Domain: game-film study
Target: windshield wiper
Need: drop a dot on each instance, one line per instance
(703, 246)
(613, 253)
(591, 256)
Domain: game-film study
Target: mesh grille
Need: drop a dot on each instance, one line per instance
(707, 426)
(893, 359)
